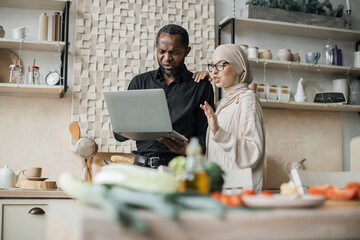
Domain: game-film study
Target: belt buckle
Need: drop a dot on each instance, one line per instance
(151, 161)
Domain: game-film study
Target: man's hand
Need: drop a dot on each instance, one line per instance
(211, 117)
(198, 76)
(174, 144)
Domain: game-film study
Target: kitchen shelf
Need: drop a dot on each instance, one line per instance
(56, 5)
(45, 46)
(300, 66)
(293, 29)
(309, 106)
(31, 89)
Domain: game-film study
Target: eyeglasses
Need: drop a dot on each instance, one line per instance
(219, 66)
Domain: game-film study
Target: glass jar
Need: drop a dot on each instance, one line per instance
(271, 92)
(33, 75)
(15, 74)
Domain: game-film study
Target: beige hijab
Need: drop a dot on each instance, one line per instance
(233, 54)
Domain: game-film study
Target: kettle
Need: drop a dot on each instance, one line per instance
(8, 178)
(294, 164)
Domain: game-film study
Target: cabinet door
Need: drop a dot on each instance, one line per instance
(24, 221)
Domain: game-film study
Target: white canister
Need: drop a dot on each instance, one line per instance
(271, 92)
(357, 56)
(260, 91)
(244, 47)
(283, 93)
(341, 85)
(252, 52)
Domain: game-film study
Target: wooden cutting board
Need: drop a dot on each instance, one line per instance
(37, 184)
(333, 203)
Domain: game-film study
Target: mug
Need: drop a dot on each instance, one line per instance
(32, 172)
(312, 57)
(252, 52)
(19, 33)
(341, 85)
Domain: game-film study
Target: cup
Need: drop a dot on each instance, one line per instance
(252, 52)
(341, 85)
(20, 33)
(32, 172)
(312, 57)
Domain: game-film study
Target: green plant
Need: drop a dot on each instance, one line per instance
(307, 6)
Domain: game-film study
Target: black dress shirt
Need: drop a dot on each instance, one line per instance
(184, 97)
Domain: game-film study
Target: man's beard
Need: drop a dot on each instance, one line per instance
(176, 71)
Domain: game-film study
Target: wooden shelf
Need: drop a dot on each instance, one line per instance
(300, 66)
(56, 5)
(295, 29)
(45, 46)
(309, 106)
(31, 89)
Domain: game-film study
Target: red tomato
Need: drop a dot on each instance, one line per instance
(248, 192)
(356, 186)
(225, 199)
(340, 193)
(319, 190)
(235, 200)
(216, 195)
(266, 193)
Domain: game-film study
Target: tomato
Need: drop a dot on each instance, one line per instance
(319, 190)
(266, 193)
(248, 192)
(356, 186)
(340, 193)
(235, 200)
(216, 195)
(225, 199)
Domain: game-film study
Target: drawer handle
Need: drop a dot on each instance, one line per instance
(37, 211)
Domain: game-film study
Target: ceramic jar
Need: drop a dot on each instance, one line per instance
(296, 57)
(271, 92)
(284, 55)
(244, 47)
(283, 93)
(265, 54)
(260, 91)
(252, 52)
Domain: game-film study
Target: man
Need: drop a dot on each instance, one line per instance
(183, 95)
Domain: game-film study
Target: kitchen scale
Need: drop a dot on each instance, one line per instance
(330, 97)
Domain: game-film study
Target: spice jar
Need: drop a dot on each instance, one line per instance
(284, 93)
(15, 74)
(33, 75)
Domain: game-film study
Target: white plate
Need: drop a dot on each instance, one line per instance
(283, 201)
(310, 89)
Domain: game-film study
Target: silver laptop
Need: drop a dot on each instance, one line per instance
(140, 114)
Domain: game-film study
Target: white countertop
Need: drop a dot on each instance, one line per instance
(24, 193)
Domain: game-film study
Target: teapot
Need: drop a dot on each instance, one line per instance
(297, 165)
(8, 178)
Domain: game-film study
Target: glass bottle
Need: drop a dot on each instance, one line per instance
(329, 54)
(33, 75)
(194, 178)
(15, 75)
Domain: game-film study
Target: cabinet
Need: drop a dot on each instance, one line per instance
(303, 31)
(24, 218)
(60, 47)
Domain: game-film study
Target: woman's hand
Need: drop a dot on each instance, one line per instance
(198, 76)
(211, 117)
(174, 144)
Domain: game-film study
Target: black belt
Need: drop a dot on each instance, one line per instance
(152, 162)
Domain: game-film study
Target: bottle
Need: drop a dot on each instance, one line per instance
(43, 27)
(15, 75)
(194, 178)
(56, 26)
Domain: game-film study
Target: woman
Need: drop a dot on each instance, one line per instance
(236, 135)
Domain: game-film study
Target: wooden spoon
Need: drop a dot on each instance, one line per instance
(75, 133)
